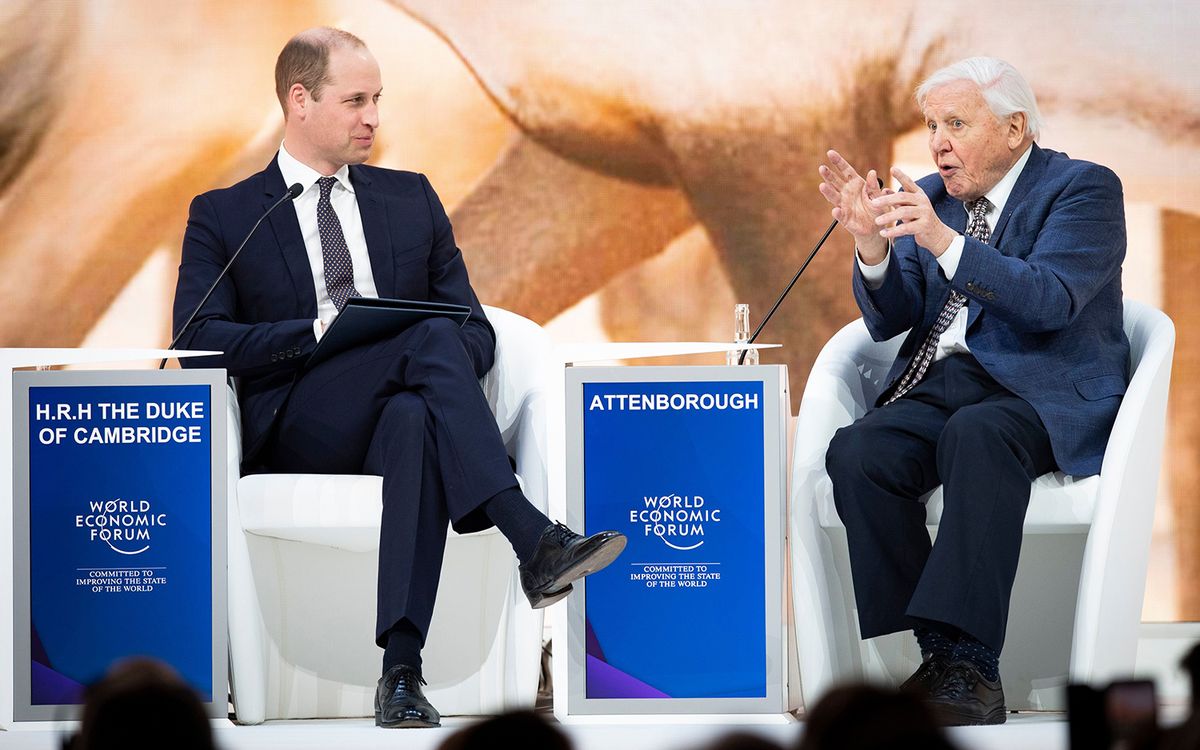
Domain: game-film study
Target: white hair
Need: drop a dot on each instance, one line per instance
(1003, 88)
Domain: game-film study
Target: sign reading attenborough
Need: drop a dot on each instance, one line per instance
(678, 468)
(120, 490)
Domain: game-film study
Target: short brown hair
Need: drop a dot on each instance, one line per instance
(305, 60)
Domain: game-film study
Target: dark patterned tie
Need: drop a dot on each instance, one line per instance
(339, 269)
(976, 227)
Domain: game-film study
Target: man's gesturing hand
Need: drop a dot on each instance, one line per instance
(916, 216)
(851, 197)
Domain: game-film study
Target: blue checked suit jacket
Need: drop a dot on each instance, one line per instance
(1045, 316)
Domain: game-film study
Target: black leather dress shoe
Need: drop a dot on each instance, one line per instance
(963, 697)
(922, 682)
(399, 701)
(563, 556)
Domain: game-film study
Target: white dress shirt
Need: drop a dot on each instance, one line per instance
(345, 205)
(954, 339)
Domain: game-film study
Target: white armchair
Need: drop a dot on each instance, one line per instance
(1086, 540)
(303, 550)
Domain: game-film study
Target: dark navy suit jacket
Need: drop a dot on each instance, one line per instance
(1045, 315)
(261, 315)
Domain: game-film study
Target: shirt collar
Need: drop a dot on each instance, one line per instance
(998, 195)
(294, 171)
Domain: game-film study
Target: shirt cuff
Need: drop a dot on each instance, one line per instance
(950, 257)
(873, 275)
(318, 329)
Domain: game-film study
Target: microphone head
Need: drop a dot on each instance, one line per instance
(295, 190)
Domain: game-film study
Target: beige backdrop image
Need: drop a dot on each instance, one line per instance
(625, 170)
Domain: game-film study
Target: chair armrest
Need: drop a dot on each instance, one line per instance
(1117, 553)
(843, 384)
(518, 373)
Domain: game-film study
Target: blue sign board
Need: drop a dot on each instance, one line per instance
(120, 545)
(678, 468)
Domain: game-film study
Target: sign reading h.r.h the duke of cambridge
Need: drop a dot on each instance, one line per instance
(119, 489)
(686, 462)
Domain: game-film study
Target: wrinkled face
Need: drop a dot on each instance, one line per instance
(972, 148)
(339, 128)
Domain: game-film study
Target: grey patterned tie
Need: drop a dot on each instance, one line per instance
(339, 269)
(976, 227)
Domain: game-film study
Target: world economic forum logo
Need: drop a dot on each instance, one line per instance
(124, 525)
(679, 521)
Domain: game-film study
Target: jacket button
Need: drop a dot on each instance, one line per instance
(274, 357)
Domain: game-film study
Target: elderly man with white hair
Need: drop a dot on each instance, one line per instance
(1005, 268)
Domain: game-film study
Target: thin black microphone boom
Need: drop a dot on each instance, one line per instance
(812, 254)
(292, 193)
(792, 283)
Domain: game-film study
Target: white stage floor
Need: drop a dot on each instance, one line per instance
(1027, 731)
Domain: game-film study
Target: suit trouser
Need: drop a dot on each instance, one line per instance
(959, 428)
(410, 409)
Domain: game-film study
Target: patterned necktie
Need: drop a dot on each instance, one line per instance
(976, 227)
(339, 269)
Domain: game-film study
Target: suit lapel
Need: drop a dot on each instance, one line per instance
(372, 207)
(1030, 176)
(950, 210)
(291, 243)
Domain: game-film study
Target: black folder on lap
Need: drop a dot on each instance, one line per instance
(367, 319)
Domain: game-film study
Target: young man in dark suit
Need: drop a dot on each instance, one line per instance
(408, 408)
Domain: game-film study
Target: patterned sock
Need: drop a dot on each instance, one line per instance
(403, 646)
(985, 658)
(520, 523)
(932, 642)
